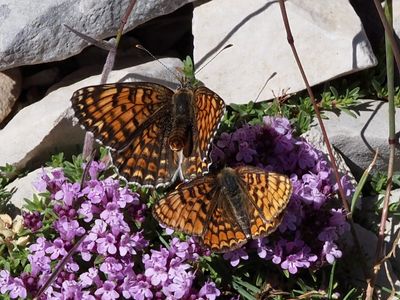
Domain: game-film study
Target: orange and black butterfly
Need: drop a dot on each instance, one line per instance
(228, 208)
(155, 134)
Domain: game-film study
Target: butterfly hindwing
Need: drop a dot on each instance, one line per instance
(146, 160)
(223, 232)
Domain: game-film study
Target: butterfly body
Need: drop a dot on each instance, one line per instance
(148, 127)
(233, 191)
(181, 134)
(227, 209)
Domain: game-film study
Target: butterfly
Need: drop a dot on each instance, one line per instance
(155, 134)
(228, 208)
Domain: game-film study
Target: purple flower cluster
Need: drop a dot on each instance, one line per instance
(114, 259)
(32, 220)
(310, 227)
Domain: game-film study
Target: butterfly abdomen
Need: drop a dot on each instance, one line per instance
(231, 187)
(180, 136)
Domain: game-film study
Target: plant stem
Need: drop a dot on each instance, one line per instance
(317, 112)
(113, 51)
(391, 49)
(109, 64)
(345, 204)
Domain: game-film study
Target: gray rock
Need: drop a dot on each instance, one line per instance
(45, 127)
(32, 32)
(315, 138)
(328, 35)
(358, 138)
(10, 88)
(368, 242)
(25, 189)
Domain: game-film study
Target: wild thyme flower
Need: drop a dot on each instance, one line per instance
(123, 258)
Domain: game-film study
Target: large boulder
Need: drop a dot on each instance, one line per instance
(358, 138)
(328, 35)
(32, 32)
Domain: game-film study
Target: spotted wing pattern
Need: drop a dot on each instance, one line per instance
(201, 208)
(115, 112)
(269, 195)
(134, 120)
(147, 160)
(210, 109)
(188, 207)
(223, 231)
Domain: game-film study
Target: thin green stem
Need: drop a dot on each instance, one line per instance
(391, 49)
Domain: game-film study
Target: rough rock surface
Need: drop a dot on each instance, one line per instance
(315, 138)
(328, 35)
(358, 138)
(10, 88)
(25, 189)
(45, 128)
(32, 32)
(368, 242)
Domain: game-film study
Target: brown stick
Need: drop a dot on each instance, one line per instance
(108, 66)
(113, 51)
(88, 152)
(321, 124)
(318, 114)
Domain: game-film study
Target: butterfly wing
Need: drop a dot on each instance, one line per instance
(223, 232)
(209, 110)
(269, 194)
(147, 160)
(188, 207)
(114, 113)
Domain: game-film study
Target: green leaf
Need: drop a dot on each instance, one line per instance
(331, 281)
(334, 92)
(245, 294)
(246, 284)
(57, 160)
(350, 293)
(347, 111)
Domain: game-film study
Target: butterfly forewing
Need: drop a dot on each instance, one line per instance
(113, 112)
(210, 109)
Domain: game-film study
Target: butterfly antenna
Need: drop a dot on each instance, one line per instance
(202, 67)
(155, 58)
(265, 84)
